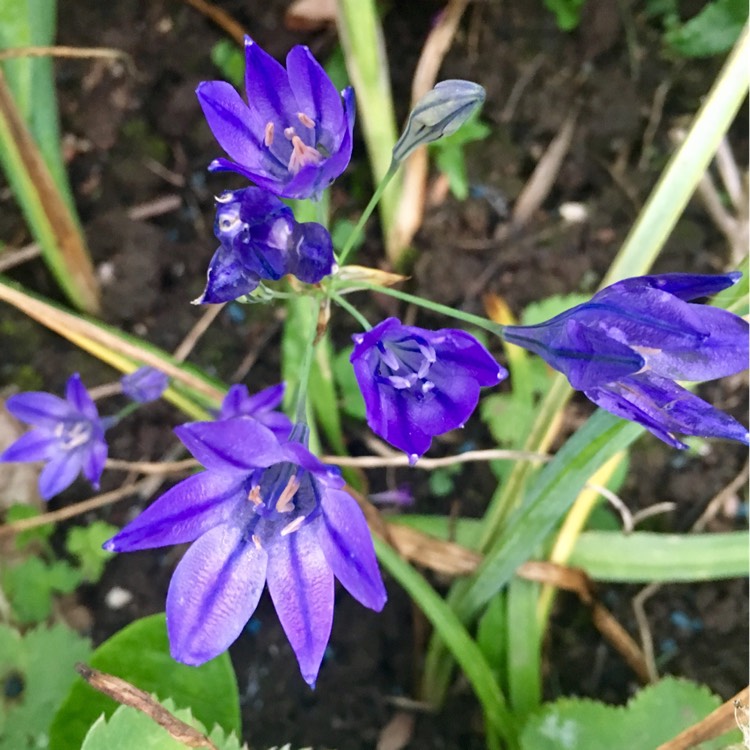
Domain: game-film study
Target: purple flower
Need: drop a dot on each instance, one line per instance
(294, 136)
(68, 435)
(261, 406)
(261, 240)
(144, 384)
(626, 346)
(418, 383)
(264, 511)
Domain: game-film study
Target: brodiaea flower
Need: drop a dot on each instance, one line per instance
(262, 406)
(626, 346)
(68, 434)
(264, 511)
(418, 383)
(294, 135)
(261, 240)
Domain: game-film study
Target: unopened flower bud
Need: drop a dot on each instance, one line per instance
(144, 385)
(440, 112)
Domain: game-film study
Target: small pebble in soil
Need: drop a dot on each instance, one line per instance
(118, 597)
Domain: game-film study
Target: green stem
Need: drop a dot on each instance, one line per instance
(126, 411)
(387, 177)
(300, 406)
(349, 307)
(451, 312)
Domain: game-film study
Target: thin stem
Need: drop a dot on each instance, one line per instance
(357, 231)
(401, 459)
(300, 407)
(476, 320)
(349, 307)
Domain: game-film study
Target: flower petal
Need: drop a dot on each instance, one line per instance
(347, 546)
(300, 582)
(232, 123)
(666, 409)
(686, 286)
(59, 474)
(231, 445)
(35, 445)
(40, 409)
(214, 592)
(311, 253)
(79, 398)
(182, 514)
(227, 278)
(93, 459)
(269, 94)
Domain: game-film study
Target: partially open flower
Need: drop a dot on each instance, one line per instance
(294, 135)
(419, 383)
(626, 346)
(262, 406)
(68, 435)
(263, 512)
(260, 240)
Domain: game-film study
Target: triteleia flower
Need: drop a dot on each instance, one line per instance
(626, 346)
(68, 435)
(262, 406)
(261, 240)
(144, 384)
(418, 383)
(264, 511)
(294, 135)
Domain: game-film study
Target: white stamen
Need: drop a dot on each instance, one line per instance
(302, 155)
(399, 382)
(391, 359)
(293, 526)
(427, 386)
(268, 135)
(289, 133)
(307, 121)
(284, 503)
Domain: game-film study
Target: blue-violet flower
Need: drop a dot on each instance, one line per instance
(294, 135)
(261, 240)
(68, 435)
(627, 346)
(262, 406)
(264, 511)
(418, 383)
(144, 384)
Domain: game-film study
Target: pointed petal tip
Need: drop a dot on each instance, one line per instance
(413, 458)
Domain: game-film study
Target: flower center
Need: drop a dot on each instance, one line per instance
(405, 365)
(73, 434)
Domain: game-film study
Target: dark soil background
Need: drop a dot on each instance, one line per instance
(134, 139)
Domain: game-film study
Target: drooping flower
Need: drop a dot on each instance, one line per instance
(144, 384)
(262, 406)
(418, 383)
(264, 511)
(68, 435)
(294, 135)
(626, 346)
(260, 239)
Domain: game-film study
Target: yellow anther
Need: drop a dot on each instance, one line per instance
(254, 495)
(284, 503)
(256, 541)
(307, 121)
(268, 135)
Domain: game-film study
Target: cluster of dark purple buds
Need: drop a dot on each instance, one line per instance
(265, 511)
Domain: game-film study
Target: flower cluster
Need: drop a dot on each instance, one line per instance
(627, 346)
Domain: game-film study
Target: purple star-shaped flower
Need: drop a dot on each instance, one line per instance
(626, 346)
(264, 511)
(294, 135)
(68, 435)
(418, 383)
(260, 239)
(262, 406)
(144, 384)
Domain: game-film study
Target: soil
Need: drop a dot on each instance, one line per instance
(134, 139)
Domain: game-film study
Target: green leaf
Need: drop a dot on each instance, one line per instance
(507, 418)
(30, 584)
(129, 728)
(140, 654)
(451, 162)
(567, 12)
(36, 671)
(230, 60)
(712, 32)
(655, 715)
(85, 543)
(21, 512)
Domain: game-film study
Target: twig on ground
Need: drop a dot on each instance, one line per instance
(221, 18)
(210, 314)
